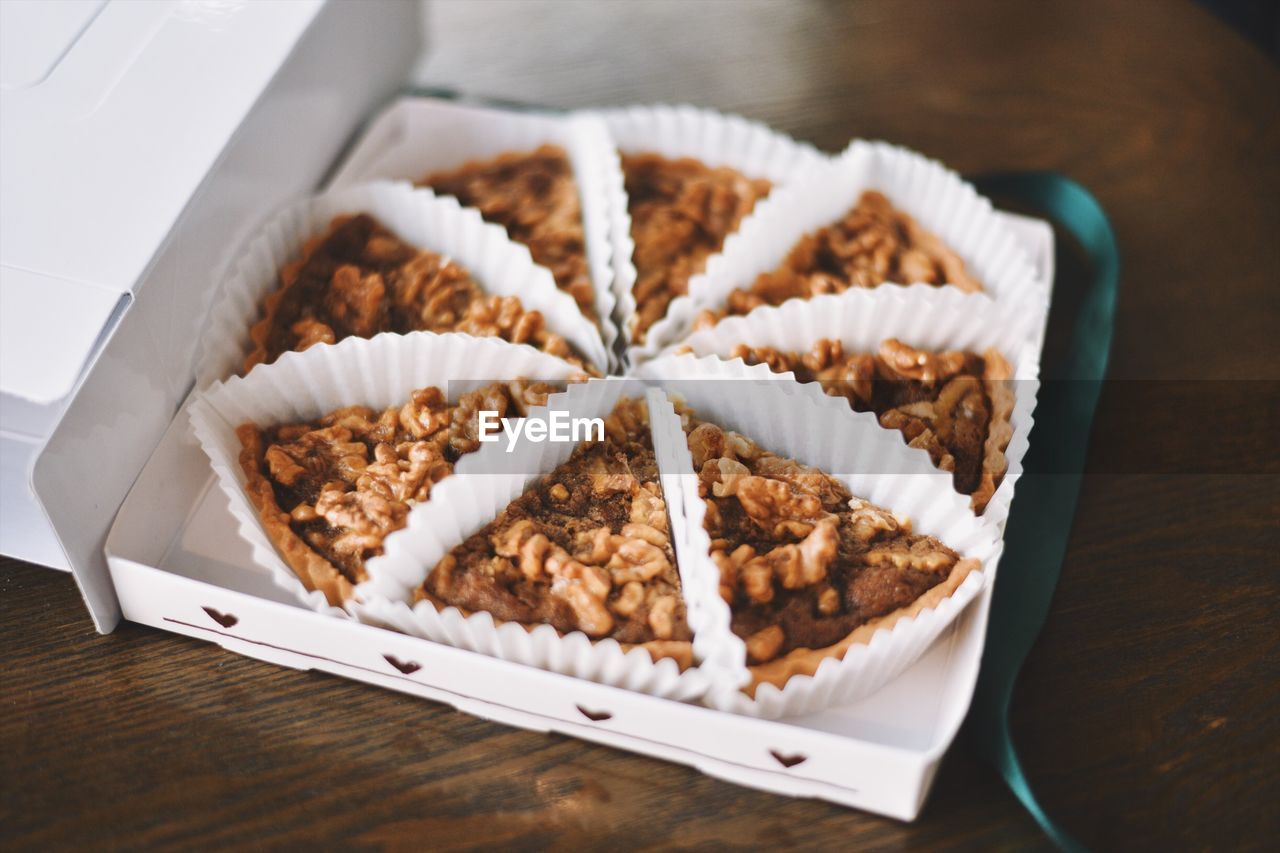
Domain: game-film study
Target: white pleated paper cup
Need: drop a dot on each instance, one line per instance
(417, 216)
(876, 466)
(377, 372)
(927, 318)
(416, 137)
(934, 196)
(701, 587)
(463, 504)
(715, 139)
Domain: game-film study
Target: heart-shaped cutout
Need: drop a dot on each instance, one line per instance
(788, 760)
(226, 620)
(594, 716)
(408, 667)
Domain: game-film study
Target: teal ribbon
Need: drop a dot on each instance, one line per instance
(1039, 525)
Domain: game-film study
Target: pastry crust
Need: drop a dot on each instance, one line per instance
(260, 332)
(806, 661)
(315, 572)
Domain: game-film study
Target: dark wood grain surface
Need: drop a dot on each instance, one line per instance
(1147, 713)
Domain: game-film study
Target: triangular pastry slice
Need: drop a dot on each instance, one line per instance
(329, 491)
(535, 197)
(956, 405)
(873, 243)
(586, 548)
(359, 279)
(808, 569)
(681, 212)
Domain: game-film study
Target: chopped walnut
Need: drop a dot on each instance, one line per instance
(626, 421)
(871, 522)
(308, 333)
(731, 564)
(606, 482)
(426, 413)
(765, 644)
(526, 394)
(662, 617)
(803, 478)
(647, 533)
(756, 577)
(357, 300)
(723, 475)
(921, 365)
(648, 508)
(504, 317)
(589, 611)
(629, 600)
(364, 517)
(922, 555)
(706, 442)
(406, 473)
(522, 541)
(793, 566)
(324, 450)
(464, 426)
(775, 505)
(596, 546)
(637, 559)
(829, 601)
(302, 513)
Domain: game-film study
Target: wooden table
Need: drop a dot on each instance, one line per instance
(1146, 715)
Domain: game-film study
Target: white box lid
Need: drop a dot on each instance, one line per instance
(111, 114)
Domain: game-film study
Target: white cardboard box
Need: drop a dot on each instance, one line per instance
(138, 140)
(94, 432)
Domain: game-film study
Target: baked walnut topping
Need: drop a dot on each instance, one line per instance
(803, 563)
(586, 548)
(535, 197)
(359, 279)
(872, 244)
(330, 491)
(955, 405)
(681, 212)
